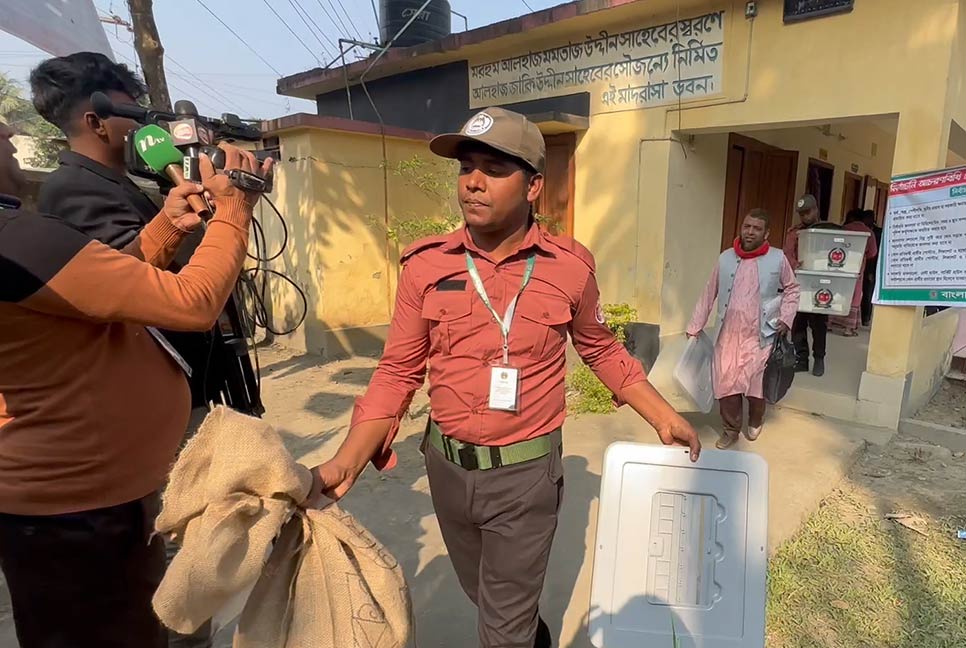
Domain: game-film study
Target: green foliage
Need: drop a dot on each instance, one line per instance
(18, 112)
(435, 178)
(617, 317)
(49, 142)
(587, 395)
(548, 223)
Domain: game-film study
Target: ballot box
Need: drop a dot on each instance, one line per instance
(681, 549)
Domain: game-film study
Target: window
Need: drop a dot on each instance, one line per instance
(797, 10)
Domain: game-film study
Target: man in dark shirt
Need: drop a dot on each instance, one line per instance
(808, 213)
(871, 268)
(92, 191)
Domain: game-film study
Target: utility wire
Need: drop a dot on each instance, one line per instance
(527, 5)
(375, 12)
(209, 87)
(176, 87)
(358, 33)
(292, 31)
(340, 24)
(299, 9)
(242, 40)
(205, 86)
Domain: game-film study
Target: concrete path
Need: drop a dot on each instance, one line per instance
(807, 455)
(310, 404)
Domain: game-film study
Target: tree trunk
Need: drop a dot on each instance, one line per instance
(150, 52)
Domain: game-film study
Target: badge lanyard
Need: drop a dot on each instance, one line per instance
(507, 318)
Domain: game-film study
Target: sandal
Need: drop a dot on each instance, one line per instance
(726, 440)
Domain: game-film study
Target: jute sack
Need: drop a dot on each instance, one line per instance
(319, 578)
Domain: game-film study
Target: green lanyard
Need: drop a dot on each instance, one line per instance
(507, 318)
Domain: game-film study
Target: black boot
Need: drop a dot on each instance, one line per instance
(819, 369)
(801, 366)
(544, 640)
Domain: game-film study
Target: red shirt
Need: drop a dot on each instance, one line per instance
(791, 246)
(439, 318)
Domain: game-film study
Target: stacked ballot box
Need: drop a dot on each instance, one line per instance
(831, 263)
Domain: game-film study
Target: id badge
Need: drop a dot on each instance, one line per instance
(504, 388)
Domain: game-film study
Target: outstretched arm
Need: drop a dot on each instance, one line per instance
(702, 310)
(376, 417)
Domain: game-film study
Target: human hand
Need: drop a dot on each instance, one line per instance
(783, 329)
(219, 186)
(689, 335)
(677, 431)
(331, 480)
(177, 209)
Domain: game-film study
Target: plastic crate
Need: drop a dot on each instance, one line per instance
(822, 250)
(827, 293)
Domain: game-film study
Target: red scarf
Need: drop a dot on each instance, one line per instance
(754, 254)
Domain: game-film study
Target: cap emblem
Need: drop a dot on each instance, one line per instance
(479, 125)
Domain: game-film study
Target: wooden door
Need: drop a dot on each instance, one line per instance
(881, 199)
(820, 177)
(557, 200)
(851, 194)
(758, 176)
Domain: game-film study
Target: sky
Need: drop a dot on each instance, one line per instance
(206, 64)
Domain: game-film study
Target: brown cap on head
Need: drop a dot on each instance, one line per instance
(806, 203)
(506, 131)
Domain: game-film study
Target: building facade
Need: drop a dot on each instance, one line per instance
(667, 120)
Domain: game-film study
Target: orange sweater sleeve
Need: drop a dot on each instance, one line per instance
(157, 243)
(102, 284)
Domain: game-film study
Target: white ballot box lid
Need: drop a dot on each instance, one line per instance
(681, 549)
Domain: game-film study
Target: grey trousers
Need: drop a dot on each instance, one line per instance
(498, 526)
(202, 637)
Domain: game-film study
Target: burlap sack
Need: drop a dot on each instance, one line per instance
(319, 578)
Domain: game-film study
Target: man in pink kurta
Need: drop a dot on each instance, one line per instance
(757, 296)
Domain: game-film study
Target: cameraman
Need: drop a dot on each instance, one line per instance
(93, 406)
(92, 191)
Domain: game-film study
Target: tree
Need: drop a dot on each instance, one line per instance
(147, 42)
(19, 113)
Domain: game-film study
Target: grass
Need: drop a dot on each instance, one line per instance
(851, 580)
(586, 394)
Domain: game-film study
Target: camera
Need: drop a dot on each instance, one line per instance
(191, 133)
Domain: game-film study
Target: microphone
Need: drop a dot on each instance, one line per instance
(153, 145)
(190, 134)
(104, 108)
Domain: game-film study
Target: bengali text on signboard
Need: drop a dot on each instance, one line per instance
(923, 258)
(644, 67)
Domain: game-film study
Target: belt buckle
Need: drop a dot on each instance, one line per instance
(467, 456)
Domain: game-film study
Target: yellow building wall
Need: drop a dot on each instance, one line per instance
(957, 73)
(899, 65)
(692, 239)
(330, 186)
(933, 356)
(650, 213)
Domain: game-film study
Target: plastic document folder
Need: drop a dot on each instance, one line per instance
(681, 549)
(682, 373)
